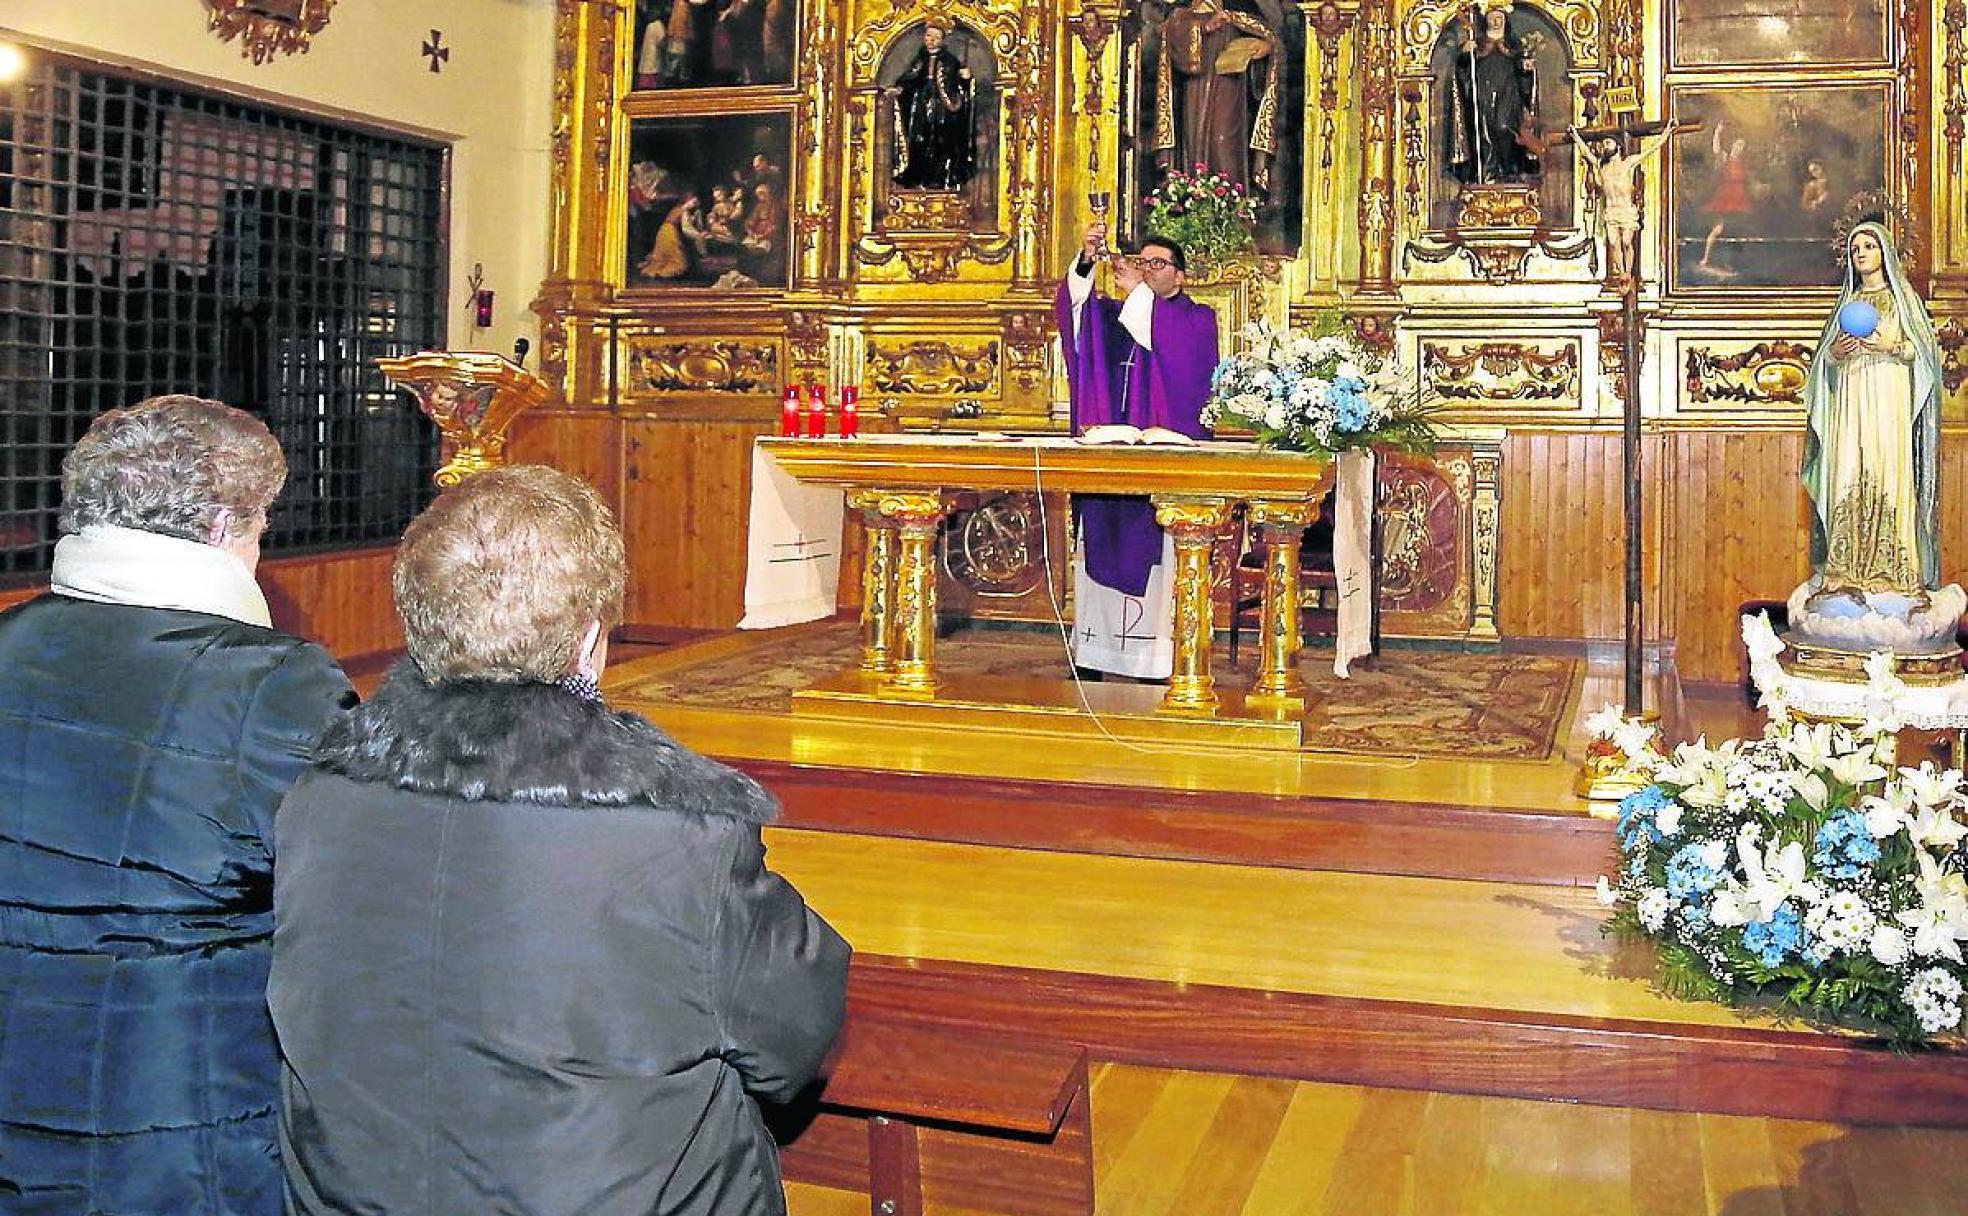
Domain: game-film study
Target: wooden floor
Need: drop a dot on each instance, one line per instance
(1169, 1143)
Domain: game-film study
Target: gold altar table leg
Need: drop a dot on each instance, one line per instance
(1280, 526)
(1194, 523)
(877, 584)
(916, 514)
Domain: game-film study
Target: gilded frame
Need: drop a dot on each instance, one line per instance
(1771, 211)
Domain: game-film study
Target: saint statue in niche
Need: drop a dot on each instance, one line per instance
(935, 136)
(1490, 120)
(1218, 90)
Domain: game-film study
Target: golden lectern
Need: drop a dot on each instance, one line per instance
(473, 397)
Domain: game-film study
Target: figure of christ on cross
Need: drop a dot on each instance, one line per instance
(1144, 357)
(1615, 173)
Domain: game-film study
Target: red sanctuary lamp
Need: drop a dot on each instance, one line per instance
(850, 423)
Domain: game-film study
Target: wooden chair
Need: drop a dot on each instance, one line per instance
(997, 1123)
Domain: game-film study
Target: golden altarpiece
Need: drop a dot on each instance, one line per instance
(671, 337)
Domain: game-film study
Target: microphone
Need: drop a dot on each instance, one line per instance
(520, 347)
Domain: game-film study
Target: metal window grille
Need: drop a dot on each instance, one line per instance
(155, 239)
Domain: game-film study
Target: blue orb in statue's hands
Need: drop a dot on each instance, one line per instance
(1858, 318)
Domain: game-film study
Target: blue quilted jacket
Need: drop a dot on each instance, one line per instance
(142, 754)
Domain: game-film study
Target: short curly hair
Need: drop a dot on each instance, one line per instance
(498, 579)
(170, 465)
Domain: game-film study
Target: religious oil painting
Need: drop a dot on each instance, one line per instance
(1749, 33)
(1762, 190)
(938, 156)
(707, 202)
(1216, 85)
(683, 44)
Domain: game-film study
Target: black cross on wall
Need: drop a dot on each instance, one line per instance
(436, 51)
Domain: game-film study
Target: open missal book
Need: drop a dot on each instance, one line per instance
(1123, 433)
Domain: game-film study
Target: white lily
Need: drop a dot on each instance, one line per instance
(1936, 827)
(1760, 639)
(1931, 786)
(1940, 923)
(1601, 725)
(1636, 741)
(1856, 769)
(1813, 790)
(1774, 875)
(1604, 892)
(1710, 788)
(1882, 682)
(1809, 745)
(1888, 813)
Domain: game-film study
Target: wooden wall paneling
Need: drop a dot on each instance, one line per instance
(341, 600)
(1560, 574)
(687, 487)
(584, 443)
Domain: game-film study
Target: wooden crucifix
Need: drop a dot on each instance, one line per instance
(1614, 155)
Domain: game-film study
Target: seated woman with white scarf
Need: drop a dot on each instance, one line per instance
(150, 721)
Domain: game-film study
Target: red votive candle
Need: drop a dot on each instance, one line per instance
(850, 410)
(789, 412)
(816, 411)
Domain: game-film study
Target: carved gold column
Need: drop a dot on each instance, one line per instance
(1194, 523)
(1485, 524)
(589, 66)
(1280, 526)
(877, 584)
(916, 514)
(1375, 60)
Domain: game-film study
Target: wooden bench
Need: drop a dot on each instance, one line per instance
(995, 1123)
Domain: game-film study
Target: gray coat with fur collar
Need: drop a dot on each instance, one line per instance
(529, 960)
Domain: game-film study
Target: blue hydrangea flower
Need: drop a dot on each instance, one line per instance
(1689, 875)
(1844, 848)
(1777, 938)
(1636, 817)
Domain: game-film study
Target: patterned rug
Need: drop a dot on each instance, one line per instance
(1484, 705)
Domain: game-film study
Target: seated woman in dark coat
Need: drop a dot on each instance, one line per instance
(529, 957)
(150, 721)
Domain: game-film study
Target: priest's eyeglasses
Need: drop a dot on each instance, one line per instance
(1140, 263)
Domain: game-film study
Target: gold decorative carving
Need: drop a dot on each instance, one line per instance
(1329, 25)
(1027, 342)
(1769, 373)
(1954, 110)
(1093, 28)
(1193, 523)
(928, 211)
(602, 70)
(1280, 527)
(473, 398)
(1485, 526)
(1501, 371)
(929, 368)
(806, 345)
(1496, 258)
(703, 365)
(266, 28)
(1952, 338)
(877, 582)
(1498, 205)
(1374, 52)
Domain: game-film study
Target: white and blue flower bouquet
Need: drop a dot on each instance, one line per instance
(1802, 871)
(1320, 390)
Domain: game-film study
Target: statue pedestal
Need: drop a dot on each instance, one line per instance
(1833, 633)
(473, 397)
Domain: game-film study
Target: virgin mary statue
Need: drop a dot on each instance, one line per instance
(1871, 465)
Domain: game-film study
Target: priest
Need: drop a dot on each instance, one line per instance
(1143, 357)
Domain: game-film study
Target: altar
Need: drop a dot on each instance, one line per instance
(901, 486)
